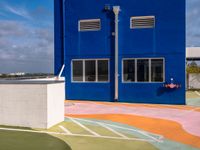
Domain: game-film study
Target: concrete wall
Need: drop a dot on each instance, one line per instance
(55, 103)
(31, 105)
(194, 81)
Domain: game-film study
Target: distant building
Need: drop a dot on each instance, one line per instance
(193, 53)
(17, 74)
(121, 50)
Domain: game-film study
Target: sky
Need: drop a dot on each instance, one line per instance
(27, 34)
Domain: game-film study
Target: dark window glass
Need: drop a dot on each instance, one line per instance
(143, 70)
(90, 70)
(102, 70)
(157, 70)
(129, 70)
(77, 70)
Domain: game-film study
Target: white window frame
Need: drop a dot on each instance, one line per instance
(142, 17)
(136, 81)
(96, 70)
(88, 20)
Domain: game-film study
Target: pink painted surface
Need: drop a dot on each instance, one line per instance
(189, 119)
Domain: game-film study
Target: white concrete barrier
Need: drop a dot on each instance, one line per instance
(34, 104)
(194, 81)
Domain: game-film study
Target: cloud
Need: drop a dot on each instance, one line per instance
(19, 11)
(12, 28)
(26, 38)
(25, 48)
(193, 23)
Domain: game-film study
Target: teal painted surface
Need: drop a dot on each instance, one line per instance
(193, 101)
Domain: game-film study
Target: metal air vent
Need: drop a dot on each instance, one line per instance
(142, 22)
(90, 25)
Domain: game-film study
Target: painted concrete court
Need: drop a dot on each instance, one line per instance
(177, 126)
(114, 126)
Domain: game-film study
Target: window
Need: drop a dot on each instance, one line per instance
(102, 70)
(142, 22)
(129, 70)
(89, 25)
(87, 70)
(143, 70)
(157, 70)
(90, 70)
(77, 70)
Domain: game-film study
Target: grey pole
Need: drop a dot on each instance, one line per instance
(116, 10)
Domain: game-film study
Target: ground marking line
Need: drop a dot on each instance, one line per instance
(91, 121)
(112, 130)
(76, 135)
(65, 130)
(197, 93)
(84, 127)
(160, 137)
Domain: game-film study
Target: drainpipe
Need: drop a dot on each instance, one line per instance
(116, 10)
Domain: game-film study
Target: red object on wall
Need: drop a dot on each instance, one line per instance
(172, 86)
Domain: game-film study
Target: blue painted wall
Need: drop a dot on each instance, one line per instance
(58, 36)
(166, 40)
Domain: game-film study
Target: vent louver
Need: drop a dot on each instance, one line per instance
(142, 22)
(90, 25)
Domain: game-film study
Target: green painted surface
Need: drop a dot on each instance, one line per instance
(89, 143)
(191, 94)
(102, 131)
(74, 128)
(12, 140)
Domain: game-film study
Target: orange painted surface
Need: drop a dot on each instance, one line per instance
(169, 129)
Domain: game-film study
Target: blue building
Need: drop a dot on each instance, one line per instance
(122, 50)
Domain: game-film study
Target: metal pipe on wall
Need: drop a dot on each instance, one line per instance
(116, 10)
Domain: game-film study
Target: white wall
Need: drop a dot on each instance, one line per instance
(56, 97)
(193, 52)
(31, 105)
